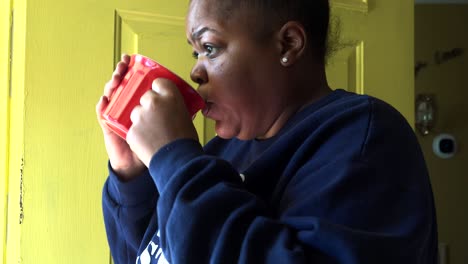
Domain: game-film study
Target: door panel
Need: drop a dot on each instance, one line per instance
(376, 55)
(346, 68)
(159, 37)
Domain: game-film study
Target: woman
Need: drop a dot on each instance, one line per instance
(298, 173)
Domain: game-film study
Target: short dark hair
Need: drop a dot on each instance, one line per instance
(314, 15)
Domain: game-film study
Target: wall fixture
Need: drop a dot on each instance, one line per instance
(425, 113)
(444, 146)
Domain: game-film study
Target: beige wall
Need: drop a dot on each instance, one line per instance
(443, 28)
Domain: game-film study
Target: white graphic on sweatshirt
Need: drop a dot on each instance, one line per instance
(152, 254)
(242, 176)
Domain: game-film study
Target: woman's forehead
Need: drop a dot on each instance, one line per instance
(207, 13)
(204, 7)
(216, 6)
(217, 12)
(198, 18)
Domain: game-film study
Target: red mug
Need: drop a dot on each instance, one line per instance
(136, 82)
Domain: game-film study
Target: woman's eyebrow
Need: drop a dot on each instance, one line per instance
(199, 32)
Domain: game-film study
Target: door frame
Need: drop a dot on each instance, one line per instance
(12, 72)
(5, 83)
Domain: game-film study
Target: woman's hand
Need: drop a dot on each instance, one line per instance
(161, 118)
(123, 160)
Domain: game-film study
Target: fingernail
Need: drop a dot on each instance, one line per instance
(156, 87)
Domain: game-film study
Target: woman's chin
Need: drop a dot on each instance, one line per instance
(230, 133)
(223, 131)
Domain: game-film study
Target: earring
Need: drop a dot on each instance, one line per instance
(284, 60)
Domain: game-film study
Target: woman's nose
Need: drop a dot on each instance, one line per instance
(198, 74)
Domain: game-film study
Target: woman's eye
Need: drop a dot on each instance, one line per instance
(209, 51)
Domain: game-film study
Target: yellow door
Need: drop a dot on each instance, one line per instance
(63, 53)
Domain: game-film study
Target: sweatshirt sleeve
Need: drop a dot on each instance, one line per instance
(207, 216)
(127, 208)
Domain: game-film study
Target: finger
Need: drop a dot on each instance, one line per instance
(121, 68)
(101, 105)
(100, 108)
(148, 98)
(135, 115)
(112, 84)
(116, 78)
(125, 58)
(164, 87)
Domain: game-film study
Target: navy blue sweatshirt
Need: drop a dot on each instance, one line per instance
(344, 181)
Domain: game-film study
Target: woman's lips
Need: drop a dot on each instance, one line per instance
(207, 108)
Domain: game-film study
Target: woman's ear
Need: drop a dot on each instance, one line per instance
(292, 39)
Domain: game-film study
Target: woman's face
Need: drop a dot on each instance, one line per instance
(238, 76)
